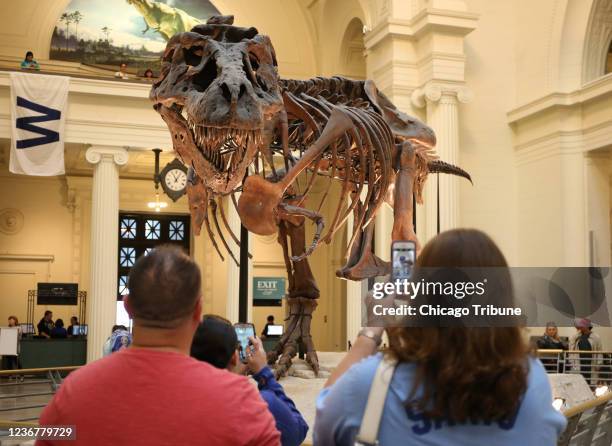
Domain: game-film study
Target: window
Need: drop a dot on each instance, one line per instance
(128, 228)
(139, 234)
(152, 229)
(177, 230)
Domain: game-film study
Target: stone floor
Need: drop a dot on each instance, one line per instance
(303, 387)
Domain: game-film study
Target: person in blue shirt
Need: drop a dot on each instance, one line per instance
(216, 342)
(58, 330)
(453, 384)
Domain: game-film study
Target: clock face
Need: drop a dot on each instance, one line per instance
(175, 180)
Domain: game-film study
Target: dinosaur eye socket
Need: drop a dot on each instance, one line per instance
(204, 78)
(193, 55)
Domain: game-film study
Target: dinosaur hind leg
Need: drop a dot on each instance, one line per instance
(302, 295)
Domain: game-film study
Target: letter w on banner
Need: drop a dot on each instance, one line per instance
(38, 114)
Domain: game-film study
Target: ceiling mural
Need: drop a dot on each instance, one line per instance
(106, 33)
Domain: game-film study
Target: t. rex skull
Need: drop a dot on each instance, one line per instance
(219, 94)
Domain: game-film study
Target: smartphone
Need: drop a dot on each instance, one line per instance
(403, 256)
(243, 331)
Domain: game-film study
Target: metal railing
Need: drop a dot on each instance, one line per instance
(33, 388)
(589, 423)
(595, 366)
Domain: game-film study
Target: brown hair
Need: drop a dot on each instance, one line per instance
(466, 373)
(15, 319)
(164, 287)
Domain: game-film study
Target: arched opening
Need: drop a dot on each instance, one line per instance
(352, 51)
(597, 42)
(609, 59)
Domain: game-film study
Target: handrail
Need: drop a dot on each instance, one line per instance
(574, 351)
(39, 370)
(5, 424)
(134, 79)
(587, 405)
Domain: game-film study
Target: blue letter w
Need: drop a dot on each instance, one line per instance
(26, 123)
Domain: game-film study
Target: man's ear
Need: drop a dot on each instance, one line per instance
(234, 360)
(197, 311)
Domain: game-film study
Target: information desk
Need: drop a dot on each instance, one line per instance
(45, 353)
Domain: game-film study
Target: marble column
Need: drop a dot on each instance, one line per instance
(442, 103)
(102, 296)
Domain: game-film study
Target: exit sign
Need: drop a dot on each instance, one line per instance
(268, 288)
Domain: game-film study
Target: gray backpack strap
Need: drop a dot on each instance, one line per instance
(368, 431)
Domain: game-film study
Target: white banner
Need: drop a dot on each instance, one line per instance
(38, 114)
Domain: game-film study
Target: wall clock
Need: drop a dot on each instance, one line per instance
(173, 179)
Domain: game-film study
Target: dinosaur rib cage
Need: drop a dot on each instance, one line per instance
(360, 159)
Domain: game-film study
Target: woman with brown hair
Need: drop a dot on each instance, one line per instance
(448, 385)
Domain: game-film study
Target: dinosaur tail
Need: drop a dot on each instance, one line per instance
(437, 166)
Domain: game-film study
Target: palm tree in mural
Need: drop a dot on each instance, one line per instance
(66, 18)
(106, 31)
(76, 18)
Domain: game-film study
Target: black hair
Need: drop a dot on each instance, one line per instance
(59, 323)
(29, 53)
(48, 312)
(270, 318)
(215, 341)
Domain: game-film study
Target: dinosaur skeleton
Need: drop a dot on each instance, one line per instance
(240, 128)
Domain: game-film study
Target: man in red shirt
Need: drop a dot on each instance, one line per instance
(153, 393)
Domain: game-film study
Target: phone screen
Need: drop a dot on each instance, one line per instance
(243, 331)
(403, 255)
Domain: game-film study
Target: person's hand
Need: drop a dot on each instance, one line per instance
(256, 356)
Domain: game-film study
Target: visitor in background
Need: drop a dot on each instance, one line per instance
(270, 321)
(12, 361)
(551, 341)
(29, 63)
(122, 73)
(74, 322)
(166, 396)
(120, 338)
(58, 331)
(45, 325)
(149, 75)
(452, 385)
(587, 341)
(215, 342)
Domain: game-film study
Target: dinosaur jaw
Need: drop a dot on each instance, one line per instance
(220, 156)
(229, 151)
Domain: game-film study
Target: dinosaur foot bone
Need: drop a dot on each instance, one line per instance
(297, 330)
(369, 265)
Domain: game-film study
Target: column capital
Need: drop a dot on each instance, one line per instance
(439, 92)
(95, 154)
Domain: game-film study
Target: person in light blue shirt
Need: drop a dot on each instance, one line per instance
(453, 385)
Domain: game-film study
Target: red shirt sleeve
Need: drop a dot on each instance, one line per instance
(49, 416)
(256, 419)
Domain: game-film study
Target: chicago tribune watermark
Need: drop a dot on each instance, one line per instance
(493, 296)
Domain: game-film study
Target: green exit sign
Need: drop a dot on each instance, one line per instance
(268, 288)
